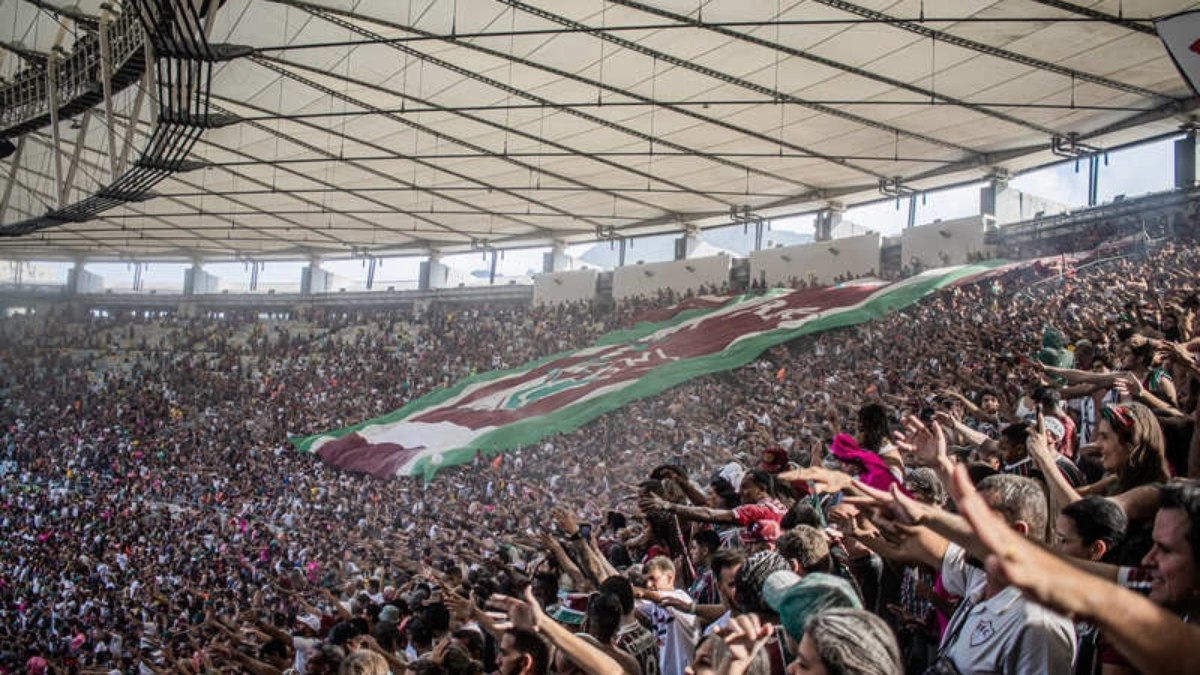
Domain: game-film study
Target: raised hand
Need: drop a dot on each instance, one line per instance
(1128, 386)
(744, 635)
(565, 520)
(895, 504)
(926, 443)
(648, 503)
(519, 612)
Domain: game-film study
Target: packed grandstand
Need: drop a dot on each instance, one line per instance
(157, 517)
(969, 447)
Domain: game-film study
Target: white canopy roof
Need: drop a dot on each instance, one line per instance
(374, 127)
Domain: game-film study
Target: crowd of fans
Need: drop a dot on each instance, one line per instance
(994, 480)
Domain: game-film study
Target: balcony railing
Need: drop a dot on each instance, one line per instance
(25, 101)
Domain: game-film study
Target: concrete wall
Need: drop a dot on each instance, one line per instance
(198, 282)
(80, 280)
(1010, 205)
(949, 242)
(647, 279)
(825, 260)
(556, 288)
(314, 280)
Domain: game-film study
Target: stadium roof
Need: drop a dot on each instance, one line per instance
(372, 127)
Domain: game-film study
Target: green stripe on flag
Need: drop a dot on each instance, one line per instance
(886, 299)
(524, 432)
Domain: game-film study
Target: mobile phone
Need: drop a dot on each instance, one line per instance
(585, 530)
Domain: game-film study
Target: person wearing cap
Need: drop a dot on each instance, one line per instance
(796, 599)
(748, 599)
(760, 535)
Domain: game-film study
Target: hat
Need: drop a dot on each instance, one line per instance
(774, 459)
(797, 599)
(1054, 427)
(390, 613)
(310, 621)
(750, 577)
(760, 531)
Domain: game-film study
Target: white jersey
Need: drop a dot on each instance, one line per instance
(1006, 633)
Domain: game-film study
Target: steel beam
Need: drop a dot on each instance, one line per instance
(1099, 16)
(52, 89)
(928, 94)
(741, 82)
(69, 181)
(678, 109)
(948, 38)
(106, 71)
(276, 64)
(433, 191)
(467, 72)
(132, 121)
(12, 177)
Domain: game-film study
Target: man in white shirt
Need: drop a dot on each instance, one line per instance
(676, 630)
(995, 629)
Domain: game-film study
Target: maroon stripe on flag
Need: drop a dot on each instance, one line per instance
(664, 313)
(355, 453)
(621, 363)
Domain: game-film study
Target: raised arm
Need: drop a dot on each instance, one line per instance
(702, 513)
(1152, 638)
(526, 613)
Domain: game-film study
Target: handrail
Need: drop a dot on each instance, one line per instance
(25, 101)
(183, 67)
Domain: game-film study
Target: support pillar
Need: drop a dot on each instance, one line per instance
(1093, 180)
(198, 282)
(434, 273)
(1185, 161)
(81, 281)
(686, 245)
(828, 219)
(996, 203)
(556, 260)
(313, 279)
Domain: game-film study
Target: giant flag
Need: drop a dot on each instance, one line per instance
(502, 410)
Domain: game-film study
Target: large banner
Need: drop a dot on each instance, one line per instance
(502, 410)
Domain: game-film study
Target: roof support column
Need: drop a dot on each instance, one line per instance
(313, 279)
(80, 281)
(64, 196)
(1185, 162)
(686, 245)
(556, 260)
(198, 282)
(434, 273)
(828, 219)
(993, 203)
